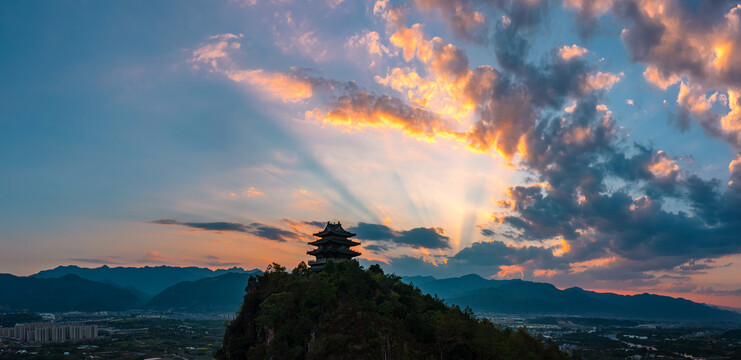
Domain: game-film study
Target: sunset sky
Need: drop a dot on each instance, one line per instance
(581, 143)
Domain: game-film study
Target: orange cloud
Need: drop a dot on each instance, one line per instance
(411, 41)
(663, 166)
(582, 266)
(363, 110)
(591, 7)
(283, 86)
(568, 52)
(510, 271)
(694, 99)
(217, 50)
(709, 61)
(286, 86)
(732, 167)
(600, 81)
(545, 273)
(252, 192)
(732, 120)
(653, 76)
(369, 40)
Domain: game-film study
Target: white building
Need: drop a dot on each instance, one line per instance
(50, 332)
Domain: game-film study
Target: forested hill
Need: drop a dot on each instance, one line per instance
(347, 312)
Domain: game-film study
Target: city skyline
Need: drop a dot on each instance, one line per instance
(591, 144)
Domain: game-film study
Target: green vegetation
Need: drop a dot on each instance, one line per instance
(347, 312)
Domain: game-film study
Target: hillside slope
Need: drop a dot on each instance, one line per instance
(221, 293)
(347, 312)
(66, 293)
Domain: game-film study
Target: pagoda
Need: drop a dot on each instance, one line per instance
(333, 244)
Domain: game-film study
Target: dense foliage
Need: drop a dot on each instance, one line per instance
(348, 312)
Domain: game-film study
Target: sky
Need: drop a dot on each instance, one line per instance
(581, 143)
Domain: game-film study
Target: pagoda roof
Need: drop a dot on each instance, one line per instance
(334, 239)
(327, 251)
(334, 229)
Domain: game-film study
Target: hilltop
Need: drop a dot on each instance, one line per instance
(348, 312)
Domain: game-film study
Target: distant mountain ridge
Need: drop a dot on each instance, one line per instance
(149, 280)
(534, 298)
(221, 293)
(66, 293)
(224, 289)
(70, 292)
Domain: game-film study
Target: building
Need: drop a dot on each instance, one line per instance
(333, 244)
(50, 332)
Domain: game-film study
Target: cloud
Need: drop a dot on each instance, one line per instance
(654, 77)
(711, 291)
(596, 208)
(361, 110)
(695, 43)
(600, 80)
(572, 156)
(307, 43)
(370, 40)
(460, 16)
(290, 86)
(258, 229)
(216, 50)
(568, 52)
(421, 237)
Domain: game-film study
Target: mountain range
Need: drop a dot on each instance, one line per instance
(149, 280)
(221, 293)
(534, 298)
(66, 293)
(73, 288)
(193, 289)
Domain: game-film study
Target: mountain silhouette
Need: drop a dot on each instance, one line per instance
(66, 293)
(149, 280)
(221, 293)
(534, 298)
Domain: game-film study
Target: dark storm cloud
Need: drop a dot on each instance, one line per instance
(264, 231)
(487, 232)
(375, 247)
(480, 257)
(460, 16)
(432, 238)
(271, 232)
(319, 224)
(469, 19)
(497, 253)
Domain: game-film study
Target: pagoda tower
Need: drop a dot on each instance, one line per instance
(333, 244)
